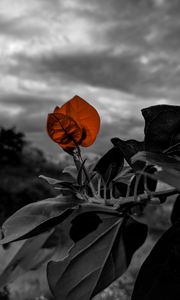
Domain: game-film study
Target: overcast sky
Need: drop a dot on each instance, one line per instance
(119, 55)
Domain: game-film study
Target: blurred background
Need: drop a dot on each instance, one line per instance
(119, 55)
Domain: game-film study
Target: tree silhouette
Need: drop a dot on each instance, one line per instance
(11, 145)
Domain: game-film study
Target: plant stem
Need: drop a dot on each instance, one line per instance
(99, 186)
(145, 198)
(78, 162)
(166, 193)
(138, 177)
(105, 193)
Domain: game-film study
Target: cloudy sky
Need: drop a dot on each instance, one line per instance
(119, 55)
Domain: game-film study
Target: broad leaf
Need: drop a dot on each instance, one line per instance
(159, 159)
(134, 235)
(130, 148)
(169, 176)
(170, 172)
(162, 127)
(23, 256)
(125, 244)
(96, 260)
(91, 221)
(110, 164)
(159, 276)
(37, 217)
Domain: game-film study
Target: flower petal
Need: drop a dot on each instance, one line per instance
(85, 116)
(64, 130)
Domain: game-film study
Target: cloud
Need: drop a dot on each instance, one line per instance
(20, 28)
(26, 112)
(119, 55)
(149, 76)
(123, 47)
(96, 69)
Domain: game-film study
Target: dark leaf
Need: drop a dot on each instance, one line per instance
(130, 230)
(85, 214)
(159, 276)
(175, 214)
(90, 220)
(170, 172)
(162, 127)
(124, 176)
(119, 189)
(169, 176)
(110, 164)
(130, 148)
(149, 182)
(83, 262)
(125, 244)
(96, 260)
(121, 182)
(60, 237)
(140, 185)
(37, 217)
(173, 150)
(159, 159)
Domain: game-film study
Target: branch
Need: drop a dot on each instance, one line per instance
(143, 199)
(160, 194)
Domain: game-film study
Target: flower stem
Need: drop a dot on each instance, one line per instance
(78, 163)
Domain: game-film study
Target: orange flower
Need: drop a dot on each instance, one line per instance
(76, 123)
